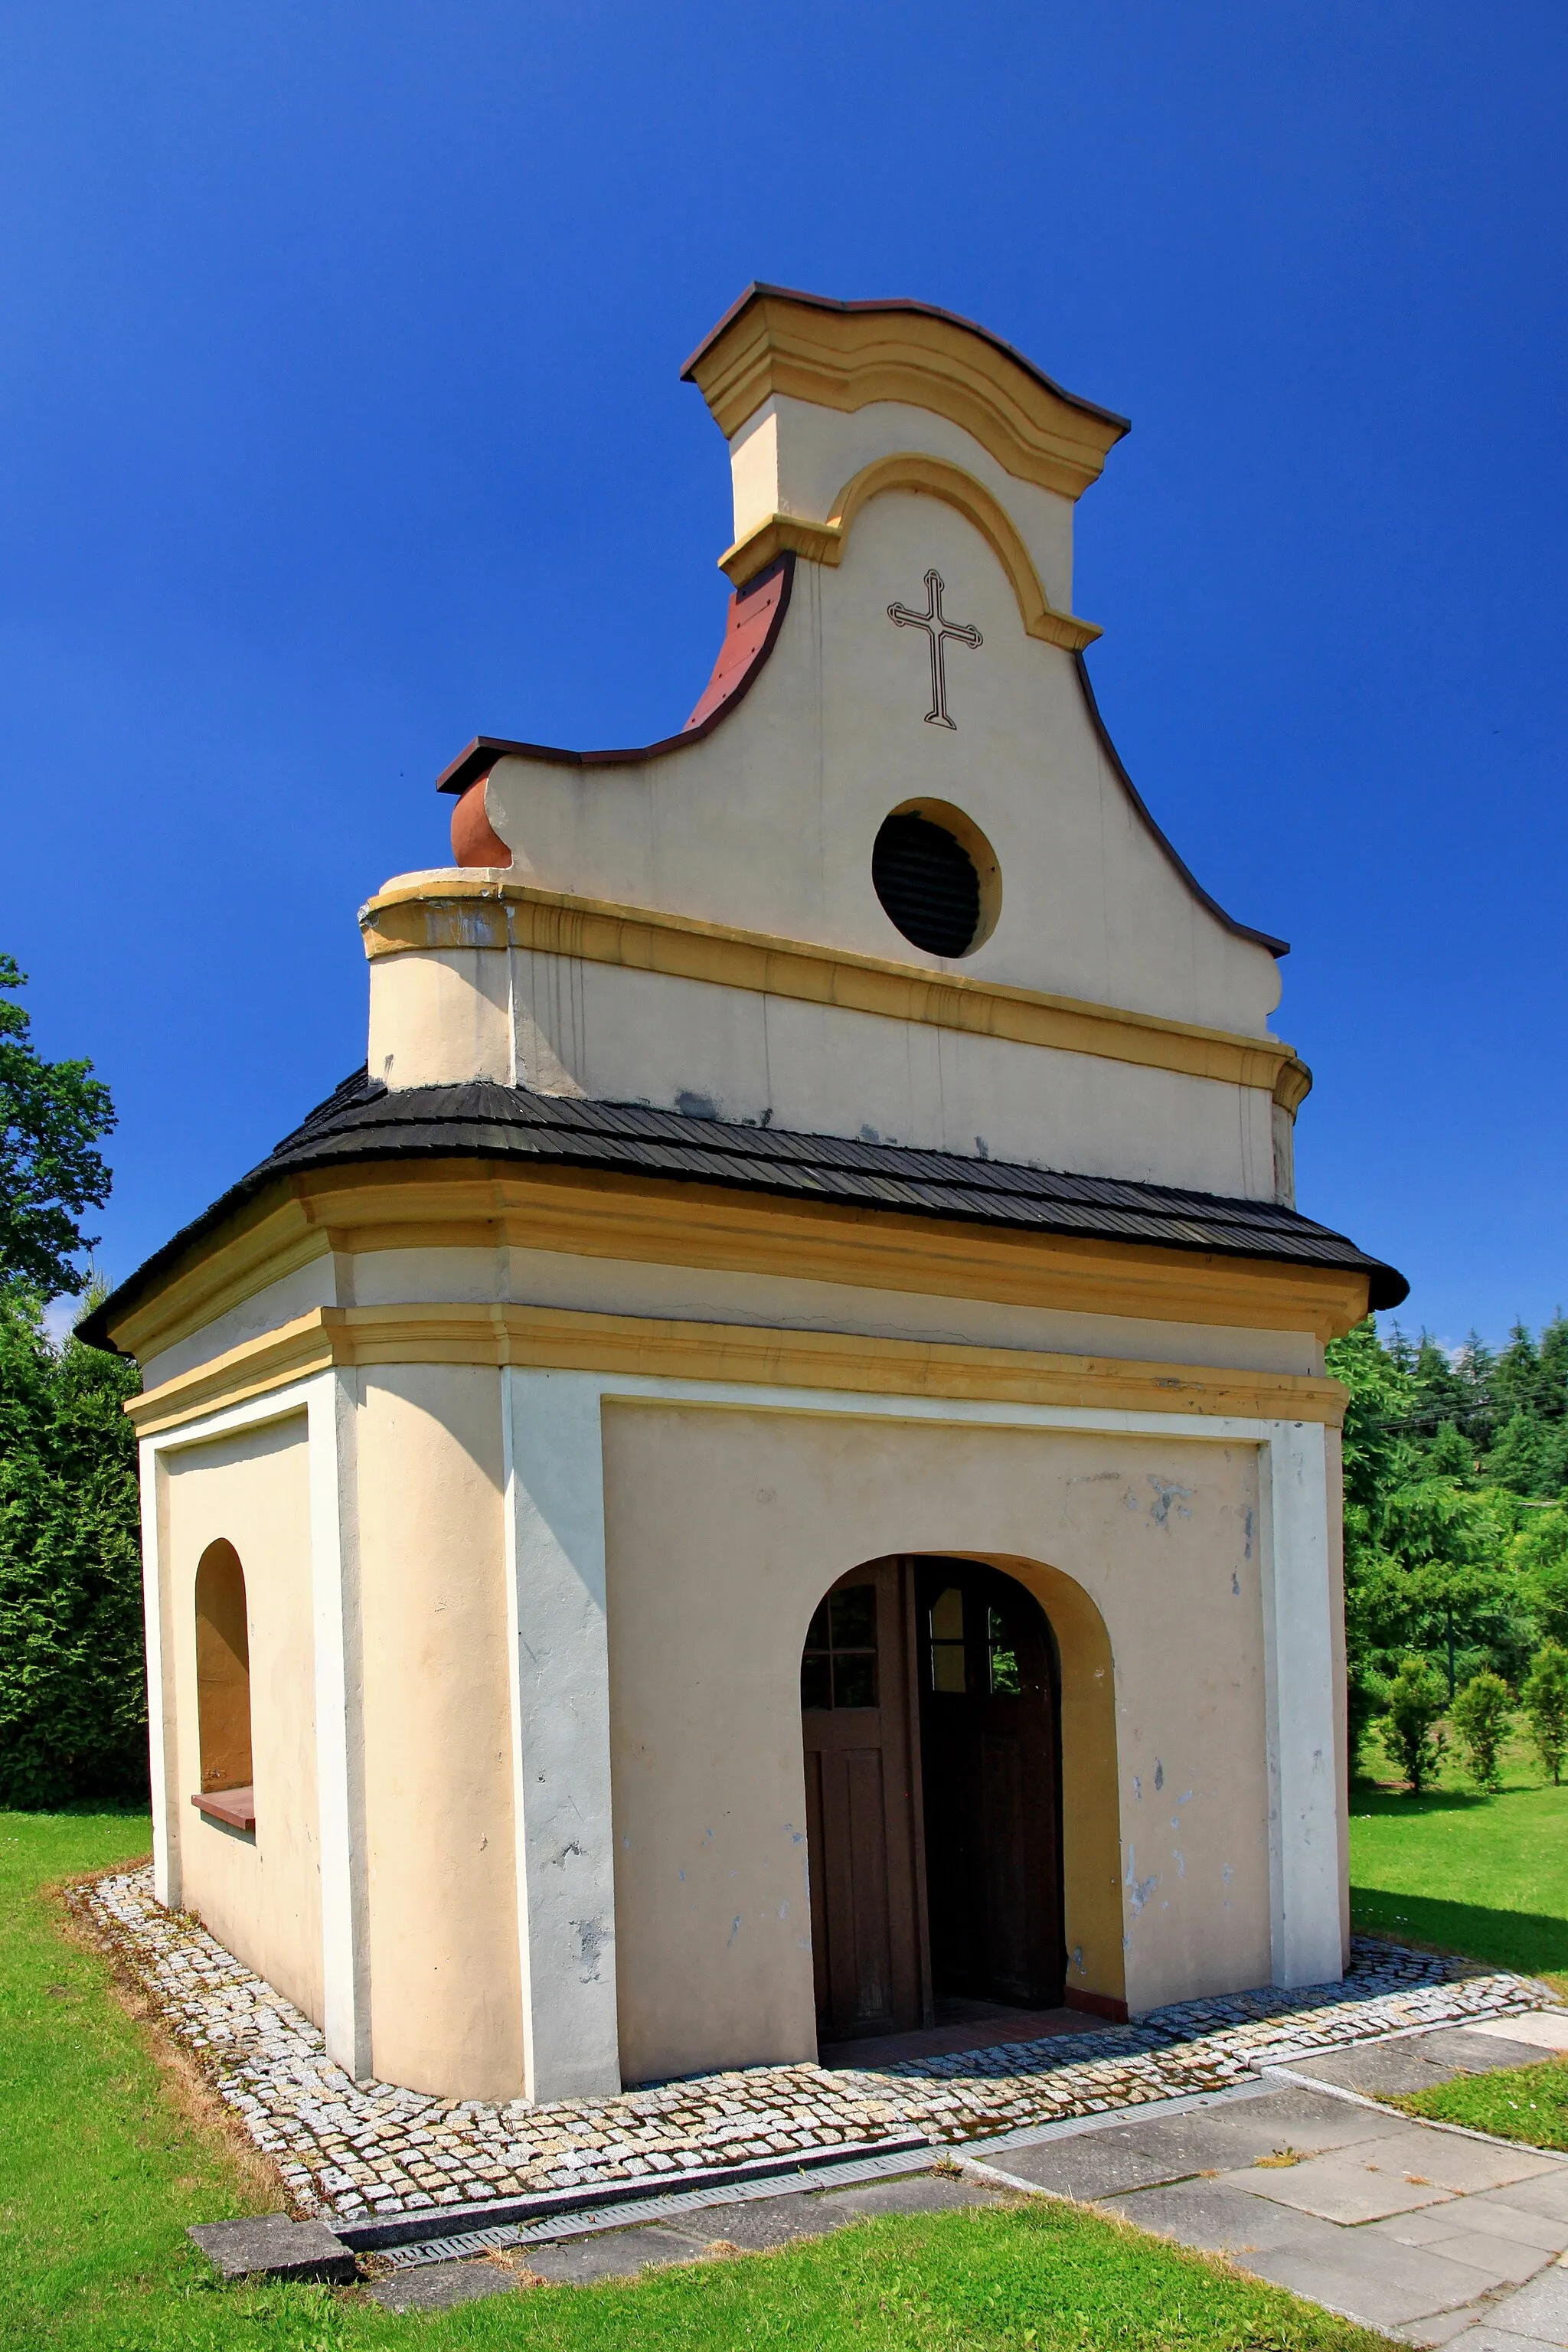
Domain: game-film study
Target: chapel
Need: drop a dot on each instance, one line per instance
(761, 1474)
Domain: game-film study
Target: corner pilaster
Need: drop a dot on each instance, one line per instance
(558, 1657)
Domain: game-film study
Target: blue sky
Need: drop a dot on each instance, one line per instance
(340, 421)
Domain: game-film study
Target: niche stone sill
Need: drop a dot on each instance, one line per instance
(235, 1806)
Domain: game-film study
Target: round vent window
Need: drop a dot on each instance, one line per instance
(933, 885)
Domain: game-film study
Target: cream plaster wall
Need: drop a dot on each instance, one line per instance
(768, 823)
(261, 1895)
(723, 1528)
(623, 1035)
(792, 458)
(439, 1017)
(446, 1998)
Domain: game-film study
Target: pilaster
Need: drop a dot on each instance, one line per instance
(558, 1655)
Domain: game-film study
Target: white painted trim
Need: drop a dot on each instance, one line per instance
(1299, 1670)
(327, 1401)
(160, 1678)
(168, 1816)
(340, 1718)
(559, 1677)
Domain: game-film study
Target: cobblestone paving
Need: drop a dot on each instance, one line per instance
(350, 2149)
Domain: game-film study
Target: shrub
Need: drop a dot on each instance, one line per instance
(73, 1692)
(1545, 1698)
(1417, 1697)
(1481, 1714)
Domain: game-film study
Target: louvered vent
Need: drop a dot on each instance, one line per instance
(927, 884)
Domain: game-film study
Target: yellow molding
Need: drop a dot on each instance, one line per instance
(846, 360)
(656, 1348)
(584, 1212)
(824, 542)
(481, 911)
(291, 1353)
(266, 1240)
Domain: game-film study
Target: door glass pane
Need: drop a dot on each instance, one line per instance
(852, 1616)
(817, 1679)
(1006, 1682)
(854, 1679)
(839, 1667)
(947, 1666)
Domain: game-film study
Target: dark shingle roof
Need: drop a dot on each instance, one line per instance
(363, 1122)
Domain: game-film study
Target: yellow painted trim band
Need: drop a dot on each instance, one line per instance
(583, 1212)
(846, 360)
(649, 1348)
(824, 542)
(458, 910)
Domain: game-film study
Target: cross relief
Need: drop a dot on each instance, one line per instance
(942, 632)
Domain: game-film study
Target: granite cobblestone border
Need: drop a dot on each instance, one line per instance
(351, 2150)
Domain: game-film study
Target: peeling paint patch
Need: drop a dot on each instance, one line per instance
(1138, 1787)
(1166, 1493)
(1181, 1861)
(591, 1942)
(1246, 1528)
(734, 1928)
(1139, 1890)
(1159, 1774)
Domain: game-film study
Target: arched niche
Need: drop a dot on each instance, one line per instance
(223, 1670)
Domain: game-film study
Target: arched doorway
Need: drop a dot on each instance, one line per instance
(930, 1716)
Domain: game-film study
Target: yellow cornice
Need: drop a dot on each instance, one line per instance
(652, 1348)
(847, 359)
(461, 911)
(584, 1212)
(265, 1241)
(934, 477)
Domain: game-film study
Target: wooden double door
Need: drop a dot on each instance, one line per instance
(929, 1717)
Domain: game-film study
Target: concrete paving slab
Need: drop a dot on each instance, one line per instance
(1505, 2261)
(1474, 2052)
(1378, 2069)
(611, 2254)
(757, 2225)
(910, 2192)
(1379, 2283)
(1219, 2138)
(1450, 2161)
(1337, 2188)
(1547, 2029)
(1222, 2220)
(1546, 2193)
(1427, 2227)
(1442, 2327)
(1498, 2212)
(1540, 2308)
(1098, 2166)
(442, 2286)
(1485, 2337)
(269, 2246)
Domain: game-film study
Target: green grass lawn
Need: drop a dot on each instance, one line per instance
(1467, 1873)
(100, 2170)
(1529, 2103)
